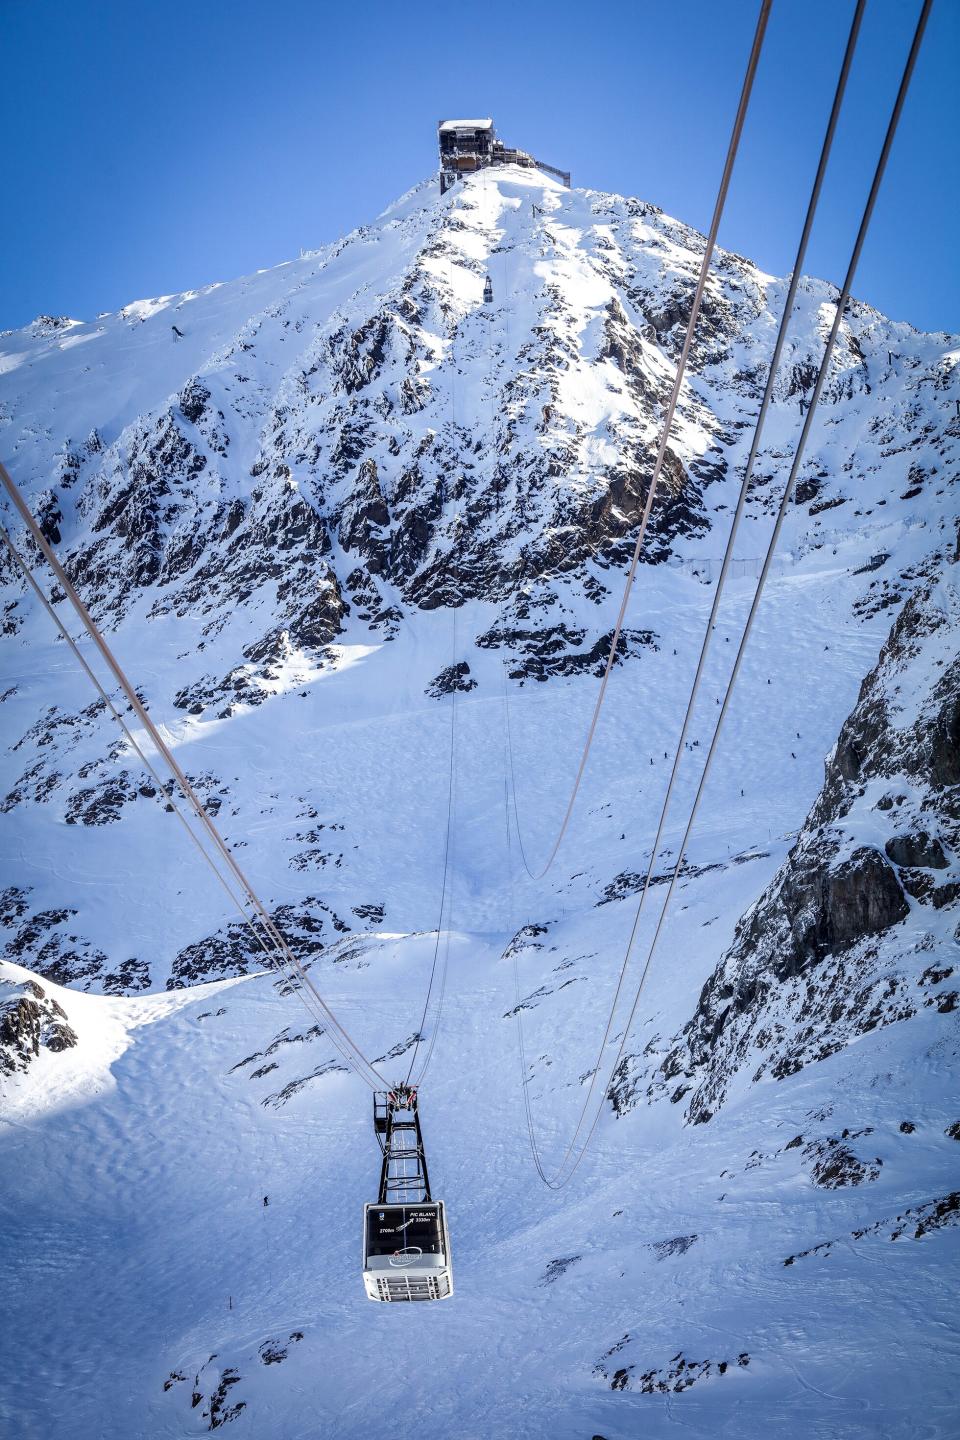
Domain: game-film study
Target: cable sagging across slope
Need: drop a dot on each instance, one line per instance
(164, 798)
(339, 1036)
(442, 935)
(565, 1174)
(783, 328)
(440, 962)
(161, 792)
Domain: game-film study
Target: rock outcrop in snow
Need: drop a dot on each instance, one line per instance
(30, 1020)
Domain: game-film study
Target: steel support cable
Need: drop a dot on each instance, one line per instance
(772, 373)
(451, 790)
(445, 963)
(350, 1050)
(710, 243)
(451, 787)
(446, 896)
(709, 247)
(162, 795)
(822, 373)
(514, 954)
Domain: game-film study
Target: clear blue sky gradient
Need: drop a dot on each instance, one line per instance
(151, 146)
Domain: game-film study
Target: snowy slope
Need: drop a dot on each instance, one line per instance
(348, 487)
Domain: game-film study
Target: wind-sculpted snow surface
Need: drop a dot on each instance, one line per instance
(342, 513)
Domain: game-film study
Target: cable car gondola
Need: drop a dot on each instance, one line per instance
(406, 1247)
(488, 291)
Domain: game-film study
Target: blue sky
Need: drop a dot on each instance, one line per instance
(156, 145)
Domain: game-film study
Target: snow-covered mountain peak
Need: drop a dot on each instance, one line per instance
(342, 519)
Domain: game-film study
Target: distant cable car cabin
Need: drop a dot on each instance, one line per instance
(488, 292)
(469, 145)
(406, 1248)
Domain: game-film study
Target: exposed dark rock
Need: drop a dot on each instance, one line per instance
(454, 677)
(284, 1038)
(679, 1245)
(363, 519)
(680, 1374)
(193, 400)
(559, 1267)
(945, 739)
(41, 941)
(525, 936)
(937, 1215)
(315, 859)
(914, 1223)
(235, 951)
(371, 912)
(822, 909)
(14, 904)
(50, 324)
(294, 1087)
(553, 650)
(128, 978)
(917, 848)
(836, 1165)
(274, 1352)
(945, 895)
(101, 804)
(220, 1412)
(630, 882)
(30, 1020)
(402, 1047)
(876, 562)
(936, 974)
(623, 345)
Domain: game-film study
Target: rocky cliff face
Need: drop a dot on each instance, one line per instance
(860, 927)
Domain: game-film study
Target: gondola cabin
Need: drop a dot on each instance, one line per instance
(406, 1245)
(406, 1252)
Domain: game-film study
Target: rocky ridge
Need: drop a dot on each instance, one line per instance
(860, 927)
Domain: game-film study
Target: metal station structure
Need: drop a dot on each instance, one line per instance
(471, 144)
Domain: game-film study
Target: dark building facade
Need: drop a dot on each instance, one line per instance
(468, 145)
